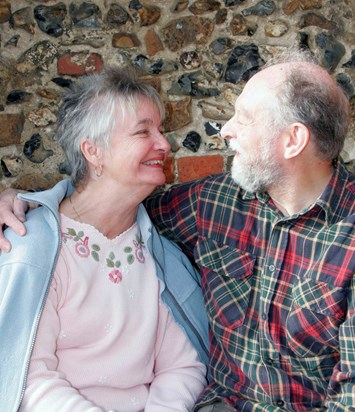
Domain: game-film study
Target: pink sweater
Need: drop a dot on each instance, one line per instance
(105, 340)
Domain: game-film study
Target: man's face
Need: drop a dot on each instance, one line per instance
(256, 164)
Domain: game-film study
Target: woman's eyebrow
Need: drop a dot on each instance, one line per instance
(145, 121)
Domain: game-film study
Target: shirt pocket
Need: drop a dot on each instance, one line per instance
(227, 275)
(313, 322)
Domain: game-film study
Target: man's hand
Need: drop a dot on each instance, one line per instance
(12, 214)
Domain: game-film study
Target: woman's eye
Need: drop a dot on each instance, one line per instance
(142, 132)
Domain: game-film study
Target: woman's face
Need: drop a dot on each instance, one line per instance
(138, 149)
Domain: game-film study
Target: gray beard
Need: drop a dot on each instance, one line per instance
(256, 175)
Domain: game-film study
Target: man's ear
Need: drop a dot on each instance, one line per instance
(296, 140)
(91, 152)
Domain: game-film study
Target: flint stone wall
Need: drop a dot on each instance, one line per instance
(197, 53)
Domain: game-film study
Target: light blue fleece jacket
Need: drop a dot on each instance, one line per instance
(26, 273)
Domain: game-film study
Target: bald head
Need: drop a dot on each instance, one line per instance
(303, 91)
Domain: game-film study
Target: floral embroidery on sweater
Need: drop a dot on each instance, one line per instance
(84, 249)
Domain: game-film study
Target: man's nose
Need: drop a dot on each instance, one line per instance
(226, 132)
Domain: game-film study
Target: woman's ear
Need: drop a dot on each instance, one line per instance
(296, 140)
(91, 152)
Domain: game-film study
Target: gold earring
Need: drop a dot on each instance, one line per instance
(98, 170)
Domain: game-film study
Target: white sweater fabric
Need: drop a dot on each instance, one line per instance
(105, 341)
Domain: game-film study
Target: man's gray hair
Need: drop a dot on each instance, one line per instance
(322, 106)
(91, 108)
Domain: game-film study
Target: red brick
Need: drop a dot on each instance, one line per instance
(77, 64)
(195, 167)
(169, 170)
(11, 126)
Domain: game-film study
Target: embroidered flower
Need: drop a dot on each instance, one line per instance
(139, 246)
(81, 248)
(115, 276)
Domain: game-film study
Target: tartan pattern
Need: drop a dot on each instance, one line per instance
(279, 291)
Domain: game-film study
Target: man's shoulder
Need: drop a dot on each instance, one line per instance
(218, 181)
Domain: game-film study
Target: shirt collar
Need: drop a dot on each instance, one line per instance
(335, 192)
(329, 201)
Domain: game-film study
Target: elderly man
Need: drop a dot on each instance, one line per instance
(274, 242)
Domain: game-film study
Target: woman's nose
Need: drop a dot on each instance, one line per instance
(163, 143)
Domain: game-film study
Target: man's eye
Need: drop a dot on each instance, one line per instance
(244, 122)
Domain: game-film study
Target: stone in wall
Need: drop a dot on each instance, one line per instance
(153, 43)
(35, 151)
(243, 62)
(184, 48)
(147, 14)
(36, 181)
(190, 60)
(88, 39)
(180, 5)
(188, 30)
(221, 45)
(142, 64)
(117, 15)
(12, 42)
(221, 16)
(212, 69)
(346, 84)
(275, 28)
(11, 127)
(204, 6)
(262, 8)
(23, 19)
(290, 7)
(215, 143)
(85, 15)
(192, 141)
(18, 96)
(11, 166)
(50, 18)
(193, 84)
(333, 50)
(62, 81)
(39, 56)
(177, 114)
(125, 40)
(42, 117)
(215, 111)
(173, 141)
(231, 3)
(314, 19)
(240, 26)
(351, 62)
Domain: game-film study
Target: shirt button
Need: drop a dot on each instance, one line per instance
(263, 316)
(272, 268)
(280, 403)
(269, 361)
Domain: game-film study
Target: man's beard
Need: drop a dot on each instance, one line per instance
(256, 173)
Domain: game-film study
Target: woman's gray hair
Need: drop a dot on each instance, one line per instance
(322, 106)
(91, 108)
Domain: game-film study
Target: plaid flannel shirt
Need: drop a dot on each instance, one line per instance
(279, 291)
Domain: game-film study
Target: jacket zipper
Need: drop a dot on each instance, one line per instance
(40, 311)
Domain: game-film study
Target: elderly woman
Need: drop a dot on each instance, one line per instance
(87, 297)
